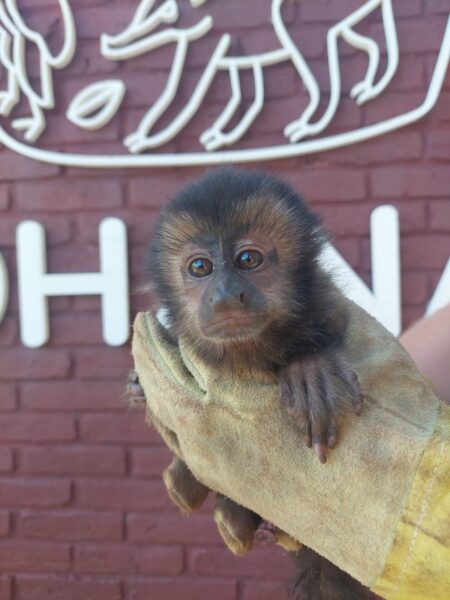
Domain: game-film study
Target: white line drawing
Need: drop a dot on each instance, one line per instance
(124, 46)
(363, 91)
(95, 105)
(140, 36)
(14, 34)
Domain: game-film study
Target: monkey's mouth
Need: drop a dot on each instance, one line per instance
(233, 326)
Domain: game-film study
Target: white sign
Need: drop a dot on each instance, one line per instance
(152, 27)
(111, 283)
(36, 285)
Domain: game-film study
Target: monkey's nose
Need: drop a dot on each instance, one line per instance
(223, 300)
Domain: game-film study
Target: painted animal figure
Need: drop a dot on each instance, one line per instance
(14, 36)
(140, 37)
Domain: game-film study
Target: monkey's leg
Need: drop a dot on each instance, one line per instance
(184, 490)
(237, 525)
(318, 579)
(315, 391)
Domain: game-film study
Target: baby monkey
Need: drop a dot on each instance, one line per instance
(234, 262)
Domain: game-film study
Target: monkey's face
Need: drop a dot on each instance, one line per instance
(226, 283)
(232, 256)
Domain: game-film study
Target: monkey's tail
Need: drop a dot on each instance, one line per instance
(318, 579)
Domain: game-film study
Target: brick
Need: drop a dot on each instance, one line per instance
(34, 492)
(438, 144)
(240, 17)
(414, 287)
(9, 332)
(139, 224)
(6, 459)
(346, 219)
(168, 529)
(73, 395)
(440, 215)
(391, 104)
(327, 10)
(411, 314)
(261, 562)
(57, 230)
(122, 495)
(4, 527)
(8, 400)
(121, 558)
(69, 587)
(404, 182)
(72, 460)
(74, 258)
(59, 131)
(421, 35)
(149, 462)
(130, 429)
(320, 185)
(257, 590)
(5, 588)
(23, 363)
(76, 329)
(185, 589)
(93, 21)
(20, 427)
(412, 214)
(16, 167)
(422, 251)
(102, 364)
(69, 525)
(437, 6)
(408, 8)
(4, 198)
(88, 61)
(151, 191)
(57, 196)
(34, 557)
(349, 249)
(385, 149)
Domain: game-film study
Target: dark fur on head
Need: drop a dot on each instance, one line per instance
(229, 203)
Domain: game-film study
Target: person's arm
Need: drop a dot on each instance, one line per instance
(428, 343)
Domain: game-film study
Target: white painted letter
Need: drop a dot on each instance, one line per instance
(4, 288)
(384, 302)
(441, 296)
(35, 285)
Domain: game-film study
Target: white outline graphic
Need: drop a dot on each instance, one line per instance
(98, 103)
(14, 34)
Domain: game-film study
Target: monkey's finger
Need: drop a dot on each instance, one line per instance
(321, 450)
(329, 396)
(351, 383)
(319, 415)
(287, 396)
(308, 436)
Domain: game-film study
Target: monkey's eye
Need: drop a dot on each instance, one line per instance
(249, 259)
(200, 267)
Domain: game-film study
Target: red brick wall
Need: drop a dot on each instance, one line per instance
(83, 512)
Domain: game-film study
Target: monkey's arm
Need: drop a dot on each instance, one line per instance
(315, 391)
(320, 387)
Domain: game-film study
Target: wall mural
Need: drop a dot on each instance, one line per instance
(155, 25)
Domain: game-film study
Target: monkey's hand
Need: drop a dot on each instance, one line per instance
(315, 391)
